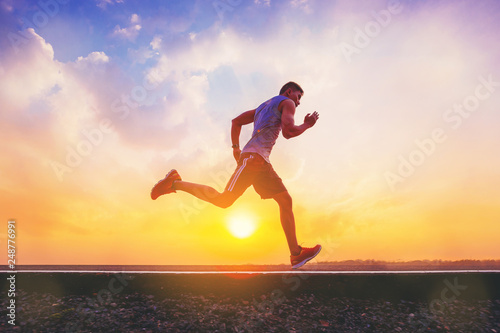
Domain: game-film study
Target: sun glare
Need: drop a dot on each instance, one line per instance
(241, 226)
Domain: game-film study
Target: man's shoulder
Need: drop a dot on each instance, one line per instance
(273, 100)
(283, 102)
(280, 97)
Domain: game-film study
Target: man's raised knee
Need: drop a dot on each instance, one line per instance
(224, 204)
(225, 200)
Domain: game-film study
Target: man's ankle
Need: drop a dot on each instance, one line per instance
(296, 252)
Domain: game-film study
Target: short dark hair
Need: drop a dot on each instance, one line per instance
(292, 85)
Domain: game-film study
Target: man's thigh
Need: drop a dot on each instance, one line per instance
(267, 184)
(243, 176)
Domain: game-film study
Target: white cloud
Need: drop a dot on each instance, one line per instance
(131, 31)
(7, 5)
(20, 80)
(37, 88)
(204, 53)
(135, 18)
(142, 54)
(302, 4)
(94, 58)
(104, 3)
(263, 2)
(156, 42)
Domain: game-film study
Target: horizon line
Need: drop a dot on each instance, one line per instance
(359, 272)
(250, 264)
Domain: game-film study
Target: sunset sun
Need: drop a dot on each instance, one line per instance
(241, 226)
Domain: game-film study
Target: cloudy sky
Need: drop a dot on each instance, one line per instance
(99, 99)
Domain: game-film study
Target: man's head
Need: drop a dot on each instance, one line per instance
(293, 91)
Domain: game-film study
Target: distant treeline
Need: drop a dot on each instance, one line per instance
(413, 265)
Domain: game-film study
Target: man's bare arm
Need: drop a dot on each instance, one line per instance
(290, 130)
(236, 124)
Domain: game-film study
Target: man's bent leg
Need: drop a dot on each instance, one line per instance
(284, 201)
(238, 183)
(206, 193)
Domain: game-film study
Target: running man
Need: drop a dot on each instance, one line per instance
(254, 167)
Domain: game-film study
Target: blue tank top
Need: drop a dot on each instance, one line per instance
(266, 128)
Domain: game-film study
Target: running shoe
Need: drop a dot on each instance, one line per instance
(165, 185)
(306, 254)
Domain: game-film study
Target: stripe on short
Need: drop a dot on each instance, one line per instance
(238, 173)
